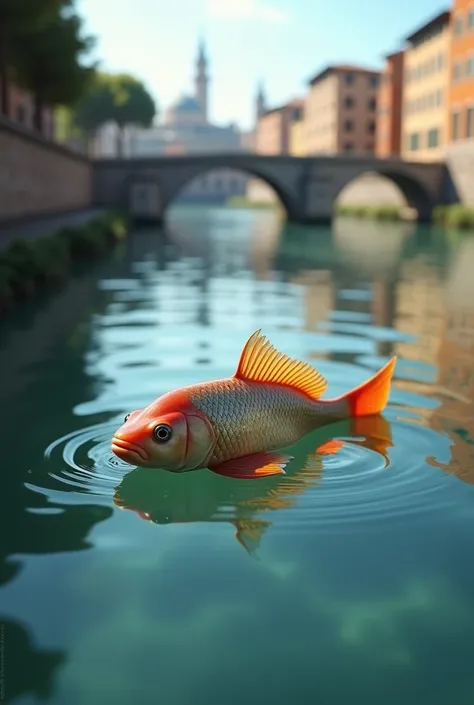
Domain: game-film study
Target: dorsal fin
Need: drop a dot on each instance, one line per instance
(261, 362)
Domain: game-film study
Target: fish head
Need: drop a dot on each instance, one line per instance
(173, 437)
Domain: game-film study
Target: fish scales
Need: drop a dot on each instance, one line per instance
(248, 416)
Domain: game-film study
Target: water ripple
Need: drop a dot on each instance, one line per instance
(378, 474)
(358, 486)
(91, 466)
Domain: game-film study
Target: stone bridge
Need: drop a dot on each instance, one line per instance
(307, 186)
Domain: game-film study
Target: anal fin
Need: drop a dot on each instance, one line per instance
(254, 466)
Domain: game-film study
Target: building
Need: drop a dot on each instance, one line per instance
(22, 110)
(426, 78)
(389, 107)
(273, 128)
(249, 138)
(461, 95)
(298, 138)
(185, 128)
(340, 110)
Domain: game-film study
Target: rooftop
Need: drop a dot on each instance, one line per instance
(393, 54)
(187, 104)
(294, 103)
(435, 23)
(339, 68)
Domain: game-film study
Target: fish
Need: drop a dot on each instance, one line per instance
(232, 426)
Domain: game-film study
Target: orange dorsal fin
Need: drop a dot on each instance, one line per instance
(261, 362)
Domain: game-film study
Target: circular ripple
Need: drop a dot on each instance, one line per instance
(358, 486)
(355, 486)
(90, 464)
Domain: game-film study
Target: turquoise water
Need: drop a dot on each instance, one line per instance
(350, 580)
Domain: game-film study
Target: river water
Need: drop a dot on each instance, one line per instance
(349, 580)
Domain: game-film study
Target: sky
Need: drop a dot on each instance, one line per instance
(280, 42)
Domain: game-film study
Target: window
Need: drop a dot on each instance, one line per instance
(414, 142)
(348, 147)
(372, 104)
(371, 127)
(349, 79)
(348, 125)
(470, 19)
(470, 66)
(373, 81)
(440, 61)
(433, 138)
(470, 122)
(349, 102)
(456, 125)
(457, 71)
(458, 26)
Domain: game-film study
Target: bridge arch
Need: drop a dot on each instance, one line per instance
(416, 193)
(286, 199)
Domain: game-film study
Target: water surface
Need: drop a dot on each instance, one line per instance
(349, 580)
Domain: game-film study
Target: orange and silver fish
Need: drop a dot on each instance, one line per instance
(232, 426)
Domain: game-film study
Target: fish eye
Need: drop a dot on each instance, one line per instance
(162, 433)
(126, 418)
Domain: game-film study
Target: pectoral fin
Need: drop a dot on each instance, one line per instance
(253, 466)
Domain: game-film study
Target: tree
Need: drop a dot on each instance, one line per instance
(17, 16)
(121, 99)
(95, 108)
(48, 63)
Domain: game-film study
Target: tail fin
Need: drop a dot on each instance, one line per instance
(371, 396)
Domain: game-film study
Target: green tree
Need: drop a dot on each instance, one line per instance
(95, 107)
(48, 63)
(17, 16)
(121, 99)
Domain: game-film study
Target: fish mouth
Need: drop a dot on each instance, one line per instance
(129, 452)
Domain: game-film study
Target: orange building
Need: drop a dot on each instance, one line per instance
(389, 107)
(273, 128)
(461, 97)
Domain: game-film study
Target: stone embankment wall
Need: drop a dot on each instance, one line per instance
(38, 176)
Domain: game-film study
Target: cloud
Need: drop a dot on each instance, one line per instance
(246, 10)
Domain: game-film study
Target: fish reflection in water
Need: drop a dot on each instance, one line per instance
(164, 498)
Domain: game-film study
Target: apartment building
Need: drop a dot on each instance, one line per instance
(298, 138)
(273, 128)
(426, 76)
(461, 97)
(389, 107)
(340, 110)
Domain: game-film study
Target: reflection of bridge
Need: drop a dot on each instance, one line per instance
(306, 186)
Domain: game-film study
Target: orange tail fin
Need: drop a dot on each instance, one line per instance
(371, 397)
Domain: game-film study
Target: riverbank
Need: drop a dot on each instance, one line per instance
(387, 212)
(243, 202)
(452, 216)
(30, 228)
(29, 265)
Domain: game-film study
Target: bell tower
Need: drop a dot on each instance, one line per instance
(260, 102)
(202, 80)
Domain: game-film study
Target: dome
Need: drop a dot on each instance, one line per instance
(187, 104)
